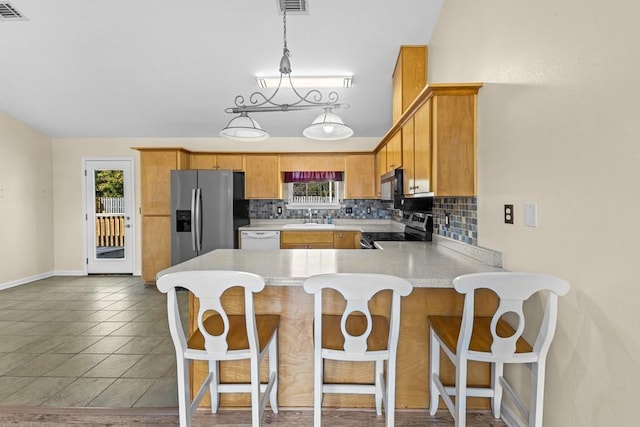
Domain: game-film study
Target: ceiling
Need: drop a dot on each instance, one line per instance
(159, 68)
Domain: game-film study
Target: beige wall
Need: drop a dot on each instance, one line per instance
(26, 209)
(559, 125)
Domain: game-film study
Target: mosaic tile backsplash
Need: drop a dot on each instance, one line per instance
(359, 209)
(463, 218)
(462, 211)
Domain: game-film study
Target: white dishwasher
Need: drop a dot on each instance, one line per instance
(260, 239)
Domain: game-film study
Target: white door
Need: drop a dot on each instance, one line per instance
(109, 216)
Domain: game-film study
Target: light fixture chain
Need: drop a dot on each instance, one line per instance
(284, 23)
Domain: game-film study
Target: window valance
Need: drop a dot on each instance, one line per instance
(313, 176)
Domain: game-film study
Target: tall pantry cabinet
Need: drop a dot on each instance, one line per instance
(155, 206)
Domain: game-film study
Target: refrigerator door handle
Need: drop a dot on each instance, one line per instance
(198, 219)
(193, 219)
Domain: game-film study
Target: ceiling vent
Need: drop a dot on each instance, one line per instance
(293, 7)
(10, 13)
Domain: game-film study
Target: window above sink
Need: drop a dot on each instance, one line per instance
(316, 190)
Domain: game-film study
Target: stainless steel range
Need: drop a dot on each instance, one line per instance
(418, 228)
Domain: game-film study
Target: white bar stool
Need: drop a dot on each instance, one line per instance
(221, 337)
(377, 344)
(494, 340)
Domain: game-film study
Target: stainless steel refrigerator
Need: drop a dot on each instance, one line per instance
(207, 207)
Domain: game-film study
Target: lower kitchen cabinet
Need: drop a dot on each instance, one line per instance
(156, 245)
(319, 240)
(346, 239)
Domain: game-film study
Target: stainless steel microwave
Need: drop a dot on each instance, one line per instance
(391, 190)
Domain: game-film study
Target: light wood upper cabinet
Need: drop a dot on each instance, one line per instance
(311, 162)
(155, 178)
(359, 173)
(409, 78)
(216, 161)
(394, 152)
(408, 160)
(454, 145)
(422, 149)
(262, 176)
(443, 159)
(416, 151)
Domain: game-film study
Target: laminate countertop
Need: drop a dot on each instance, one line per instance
(425, 264)
(338, 225)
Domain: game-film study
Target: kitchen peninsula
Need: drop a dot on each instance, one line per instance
(429, 267)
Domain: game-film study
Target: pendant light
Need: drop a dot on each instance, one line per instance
(328, 126)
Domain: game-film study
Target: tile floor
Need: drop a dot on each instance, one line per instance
(91, 341)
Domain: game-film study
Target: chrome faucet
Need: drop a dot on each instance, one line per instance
(310, 215)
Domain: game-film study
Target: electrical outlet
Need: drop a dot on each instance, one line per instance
(446, 220)
(279, 210)
(368, 209)
(508, 214)
(348, 210)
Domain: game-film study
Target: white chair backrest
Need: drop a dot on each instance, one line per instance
(208, 286)
(512, 289)
(357, 290)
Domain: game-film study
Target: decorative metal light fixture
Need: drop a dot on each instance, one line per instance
(328, 126)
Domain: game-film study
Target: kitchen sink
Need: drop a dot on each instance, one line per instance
(309, 225)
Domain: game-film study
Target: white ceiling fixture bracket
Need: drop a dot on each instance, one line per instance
(327, 126)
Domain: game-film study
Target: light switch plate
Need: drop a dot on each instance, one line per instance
(530, 214)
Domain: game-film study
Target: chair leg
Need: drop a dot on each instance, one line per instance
(497, 371)
(317, 389)
(390, 409)
(460, 414)
(213, 386)
(537, 393)
(378, 386)
(273, 369)
(184, 393)
(434, 363)
(255, 392)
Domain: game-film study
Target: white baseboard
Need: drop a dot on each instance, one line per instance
(24, 280)
(70, 273)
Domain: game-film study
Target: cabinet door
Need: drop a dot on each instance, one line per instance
(203, 161)
(381, 167)
(155, 180)
(229, 161)
(409, 78)
(262, 180)
(408, 157)
(216, 161)
(346, 239)
(306, 240)
(311, 162)
(156, 246)
(359, 176)
(394, 152)
(454, 145)
(422, 149)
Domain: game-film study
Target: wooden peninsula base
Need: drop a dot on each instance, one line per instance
(296, 348)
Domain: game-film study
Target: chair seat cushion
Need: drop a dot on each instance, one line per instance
(266, 325)
(448, 329)
(333, 339)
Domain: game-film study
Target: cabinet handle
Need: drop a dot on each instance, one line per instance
(416, 187)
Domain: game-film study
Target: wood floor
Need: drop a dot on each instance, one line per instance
(59, 417)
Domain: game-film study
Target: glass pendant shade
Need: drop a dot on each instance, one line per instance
(244, 128)
(328, 127)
